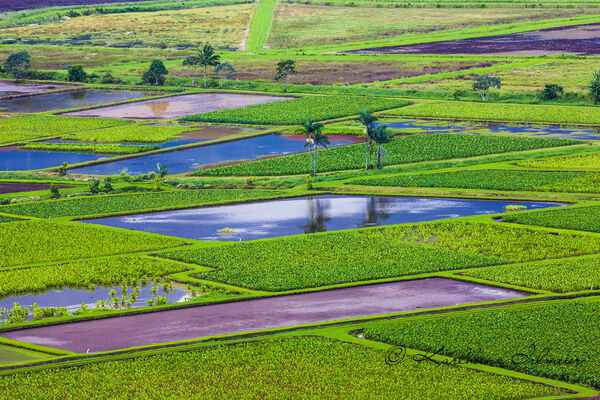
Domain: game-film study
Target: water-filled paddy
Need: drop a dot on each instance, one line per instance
(13, 159)
(24, 187)
(187, 160)
(178, 106)
(579, 39)
(304, 215)
(8, 88)
(66, 100)
(72, 299)
(267, 313)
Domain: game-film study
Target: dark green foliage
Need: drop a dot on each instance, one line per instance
(580, 218)
(484, 83)
(76, 73)
(155, 74)
(551, 92)
(17, 63)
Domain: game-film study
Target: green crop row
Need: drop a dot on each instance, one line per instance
(297, 111)
(317, 260)
(16, 129)
(89, 148)
(582, 162)
(557, 340)
(134, 202)
(31, 242)
(580, 219)
(502, 112)
(130, 133)
(539, 181)
(559, 276)
(6, 219)
(298, 368)
(89, 273)
(403, 150)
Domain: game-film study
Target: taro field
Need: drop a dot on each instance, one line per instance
(286, 199)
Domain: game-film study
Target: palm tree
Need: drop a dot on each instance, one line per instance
(381, 136)
(162, 170)
(314, 139)
(368, 121)
(204, 58)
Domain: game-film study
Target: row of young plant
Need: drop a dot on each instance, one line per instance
(539, 339)
(539, 181)
(34, 242)
(576, 162)
(324, 259)
(566, 275)
(580, 218)
(403, 150)
(303, 367)
(89, 148)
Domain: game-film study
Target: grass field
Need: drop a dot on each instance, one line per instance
(584, 162)
(580, 219)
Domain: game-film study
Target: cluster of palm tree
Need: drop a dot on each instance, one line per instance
(314, 139)
(205, 58)
(374, 133)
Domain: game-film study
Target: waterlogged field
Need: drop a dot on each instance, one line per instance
(580, 219)
(88, 148)
(31, 242)
(127, 203)
(318, 260)
(566, 275)
(573, 163)
(502, 112)
(222, 26)
(399, 151)
(554, 340)
(16, 129)
(284, 361)
(87, 274)
(300, 110)
(538, 181)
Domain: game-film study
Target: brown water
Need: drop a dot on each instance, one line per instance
(178, 106)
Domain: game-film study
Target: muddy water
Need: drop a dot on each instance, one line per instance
(24, 187)
(267, 313)
(304, 215)
(579, 39)
(66, 100)
(178, 106)
(10, 88)
(187, 160)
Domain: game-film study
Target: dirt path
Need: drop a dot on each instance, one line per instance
(274, 312)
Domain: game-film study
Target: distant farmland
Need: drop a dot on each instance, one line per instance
(11, 5)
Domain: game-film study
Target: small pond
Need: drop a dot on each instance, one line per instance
(311, 214)
(66, 100)
(73, 298)
(13, 159)
(187, 160)
(178, 106)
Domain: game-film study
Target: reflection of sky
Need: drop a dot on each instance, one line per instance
(303, 215)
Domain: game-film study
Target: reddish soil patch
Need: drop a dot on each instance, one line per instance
(267, 313)
(579, 39)
(24, 187)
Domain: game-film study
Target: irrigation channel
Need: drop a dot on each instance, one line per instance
(266, 313)
(178, 106)
(266, 219)
(578, 39)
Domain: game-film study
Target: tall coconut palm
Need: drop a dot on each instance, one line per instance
(368, 121)
(204, 58)
(314, 139)
(381, 136)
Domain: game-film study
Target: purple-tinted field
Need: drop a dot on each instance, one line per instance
(13, 5)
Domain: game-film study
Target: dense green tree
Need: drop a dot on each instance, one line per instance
(284, 69)
(550, 92)
(75, 73)
(484, 83)
(155, 74)
(17, 63)
(595, 88)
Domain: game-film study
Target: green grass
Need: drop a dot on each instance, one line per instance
(260, 26)
(16, 129)
(568, 275)
(31, 242)
(565, 330)
(11, 355)
(297, 111)
(134, 202)
(89, 148)
(298, 368)
(90, 273)
(130, 133)
(572, 163)
(502, 112)
(317, 260)
(579, 219)
(403, 150)
(538, 181)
